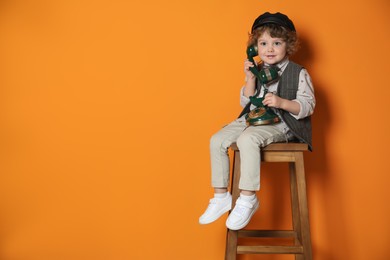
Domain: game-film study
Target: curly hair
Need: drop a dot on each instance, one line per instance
(276, 31)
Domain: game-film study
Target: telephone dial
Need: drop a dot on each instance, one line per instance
(261, 115)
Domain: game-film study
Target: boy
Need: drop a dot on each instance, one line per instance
(291, 98)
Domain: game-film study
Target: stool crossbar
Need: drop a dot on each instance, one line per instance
(291, 153)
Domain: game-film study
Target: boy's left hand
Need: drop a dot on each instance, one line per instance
(272, 100)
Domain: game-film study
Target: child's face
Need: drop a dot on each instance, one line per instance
(271, 50)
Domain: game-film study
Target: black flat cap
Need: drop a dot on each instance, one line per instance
(277, 18)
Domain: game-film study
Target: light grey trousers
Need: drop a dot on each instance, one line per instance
(249, 140)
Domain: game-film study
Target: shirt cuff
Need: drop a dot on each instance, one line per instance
(301, 112)
(243, 99)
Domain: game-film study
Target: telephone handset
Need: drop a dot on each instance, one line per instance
(266, 74)
(261, 115)
(251, 52)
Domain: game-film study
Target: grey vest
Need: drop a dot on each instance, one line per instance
(287, 89)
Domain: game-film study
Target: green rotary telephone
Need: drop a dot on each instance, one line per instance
(261, 115)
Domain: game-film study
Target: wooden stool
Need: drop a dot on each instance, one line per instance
(276, 152)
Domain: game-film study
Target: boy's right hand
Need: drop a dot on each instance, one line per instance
(249, 75)
(250, 79)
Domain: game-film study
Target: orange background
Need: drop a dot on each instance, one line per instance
(107, 107)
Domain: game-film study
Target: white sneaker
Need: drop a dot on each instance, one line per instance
(242, 213)
(217, 207)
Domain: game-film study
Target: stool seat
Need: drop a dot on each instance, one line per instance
(291, 153)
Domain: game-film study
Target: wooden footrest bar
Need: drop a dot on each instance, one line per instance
(269, 249)
(267, 233)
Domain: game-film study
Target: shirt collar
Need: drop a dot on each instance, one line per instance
(283, 64)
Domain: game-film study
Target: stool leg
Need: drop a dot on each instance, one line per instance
(299, 206)
(236, 174)
(232, 236)
(231, 245)
(295, 209)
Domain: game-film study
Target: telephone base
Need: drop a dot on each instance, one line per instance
(261, 116)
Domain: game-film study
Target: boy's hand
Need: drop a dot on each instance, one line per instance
(249, 75)
(272, 100)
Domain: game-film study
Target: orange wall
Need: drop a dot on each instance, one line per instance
(106, 109)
